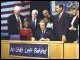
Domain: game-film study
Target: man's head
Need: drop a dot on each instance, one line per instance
(17, 10)
(34, 13)
(45, 13)
(42, 24)
(59, 8)
(74, 9)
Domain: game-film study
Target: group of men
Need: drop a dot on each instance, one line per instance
(53, 28)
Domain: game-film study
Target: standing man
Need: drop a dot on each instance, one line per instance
(48, 19)
(15, 21)
(34, 21)
(61, 23)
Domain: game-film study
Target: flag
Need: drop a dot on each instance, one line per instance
(7, 10)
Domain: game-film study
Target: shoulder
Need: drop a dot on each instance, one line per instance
(29, 19)
(55, 16)
(38, 30)
(11, 18)
(22, 16)
(12, 15)
(52, 16)
(65, 13)
(48, 29)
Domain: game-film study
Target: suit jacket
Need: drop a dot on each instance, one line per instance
(32, 27)
(48, 34)
(73, 35)
(61, 26)
(76, 22)
(12, 24)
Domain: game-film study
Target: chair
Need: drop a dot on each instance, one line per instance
(14, 37)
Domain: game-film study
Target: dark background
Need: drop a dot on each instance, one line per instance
(40, 6)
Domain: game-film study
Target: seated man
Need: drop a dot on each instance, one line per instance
(44, 33)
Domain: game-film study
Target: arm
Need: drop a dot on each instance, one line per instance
(65, 26)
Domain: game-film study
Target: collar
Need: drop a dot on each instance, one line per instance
(61, 13)
(34, 18)
(44, 30)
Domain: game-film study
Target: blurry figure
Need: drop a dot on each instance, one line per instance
(26, 32)
(48, 19)
(74, 14)
(34, 21)
(73, 26)
(78, 12)
(78, 25)
(44, 33)
(61, 23)
(15, 21)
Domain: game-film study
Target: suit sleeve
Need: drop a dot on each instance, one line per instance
(66, 24)
(9, 24)
(22, 20)
(52, 36)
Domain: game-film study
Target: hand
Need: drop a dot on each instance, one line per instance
(33, 39)
(72, 28)
(42, 39)
(47, 39)
(63, 38)
(75, 41)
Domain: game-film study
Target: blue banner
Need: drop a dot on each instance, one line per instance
(29, 50)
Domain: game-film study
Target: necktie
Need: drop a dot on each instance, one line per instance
(42, 34)
(18, 21)
(59, 16)
(34, 22)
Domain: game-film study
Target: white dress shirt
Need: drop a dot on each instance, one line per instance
(34, 20)
(74, 18)
(18, 18)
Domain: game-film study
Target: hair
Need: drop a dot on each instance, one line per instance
(78, 8)
(43, 21)
(27, 23)
(17, 8)
(60, 6)
(35, 11)
(45, 10)
(74, 7)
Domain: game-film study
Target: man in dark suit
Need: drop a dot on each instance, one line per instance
(34, 22)
(61, 23)
(43, 32)
(15, 21)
